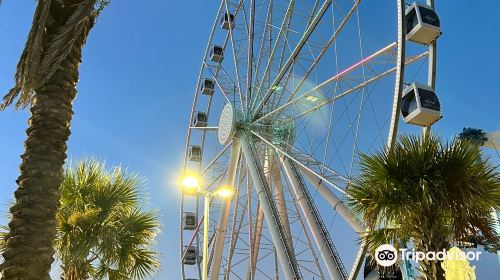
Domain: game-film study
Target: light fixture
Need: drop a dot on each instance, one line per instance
(190, 184)
(225, 192)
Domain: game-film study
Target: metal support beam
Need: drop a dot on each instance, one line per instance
(286, 257)
(259, 222)
(358, 262)
(224, 215)
(327, 249)
(334, 201)
(279, 194)
(293, 55)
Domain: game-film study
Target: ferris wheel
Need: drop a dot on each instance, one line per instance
(288, 94)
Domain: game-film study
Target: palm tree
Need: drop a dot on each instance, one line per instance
(102, 231)
(428, 193)
(45, 80)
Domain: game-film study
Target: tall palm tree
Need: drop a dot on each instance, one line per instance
(102, 231)
(428, 193)
(45, 80)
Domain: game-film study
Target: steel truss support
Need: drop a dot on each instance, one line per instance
(224, 215)
(358, 262)
(259, 222)
(323, 241)
(344, 212)
(334, 201)
(279, 194)
(285, 254)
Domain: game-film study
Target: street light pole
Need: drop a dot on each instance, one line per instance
(191, 186)
(206, 220)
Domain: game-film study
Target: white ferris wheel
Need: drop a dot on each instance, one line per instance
(288, 94)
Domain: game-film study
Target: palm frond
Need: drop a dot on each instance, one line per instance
(101, 223)
(49, 43)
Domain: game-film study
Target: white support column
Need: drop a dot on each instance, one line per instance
(224, 215)
(280, 197)
(319, 236)
(259, 222)
(334, 201)
(286, 257)
(358, 261)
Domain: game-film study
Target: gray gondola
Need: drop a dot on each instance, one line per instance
(207, 86)
(217, 54)
(200, 119)
(189, 221)
(420, 105)
(190, 255)
(195, 153)
(227, 21)
(422, 24)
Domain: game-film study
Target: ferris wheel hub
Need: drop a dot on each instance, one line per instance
(227, 124)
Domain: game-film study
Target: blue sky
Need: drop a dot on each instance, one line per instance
(138, 75)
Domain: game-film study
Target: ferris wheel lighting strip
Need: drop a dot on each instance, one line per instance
(334, 78)
(327, 101)
(320, 55)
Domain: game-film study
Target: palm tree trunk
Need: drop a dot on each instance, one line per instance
(29, 245)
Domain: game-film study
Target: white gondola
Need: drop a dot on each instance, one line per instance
(227, 21)
(190, 255)
(188, 221)
(420, 105)
(422, 24)
(207, 86)
(195, 153)
(200, 119)
(217, 54)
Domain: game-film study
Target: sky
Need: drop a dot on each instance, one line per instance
(136, 86)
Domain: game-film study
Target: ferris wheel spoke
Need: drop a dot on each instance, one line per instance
(267, 33)
(282, 28)
(249, 70)
(292, 56)
(334, 178)
(224, 83)
(234, 53)
(353, 87)
(216, 158)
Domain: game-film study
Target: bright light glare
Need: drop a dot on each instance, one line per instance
(225, 192)
(190, 184)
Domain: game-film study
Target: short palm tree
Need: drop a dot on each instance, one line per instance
(45, 80)
(428, 193)
(102, 231)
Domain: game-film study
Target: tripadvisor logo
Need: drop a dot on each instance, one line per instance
(387, 255)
